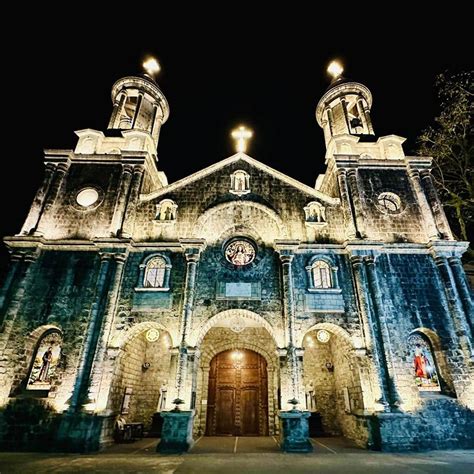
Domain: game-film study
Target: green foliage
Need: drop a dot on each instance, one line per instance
(449, 142)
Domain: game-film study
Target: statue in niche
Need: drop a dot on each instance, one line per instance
(166, 211)
(239, 182)
(45, 363)
(315, 212)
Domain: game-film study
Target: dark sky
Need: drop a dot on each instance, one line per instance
(267, 73)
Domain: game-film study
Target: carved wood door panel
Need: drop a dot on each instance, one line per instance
(238, 395)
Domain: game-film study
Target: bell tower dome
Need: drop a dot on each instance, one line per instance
(344, 109)
(139, 105)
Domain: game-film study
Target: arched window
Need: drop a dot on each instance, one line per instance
(423, 363)
(155, 273)
(321, 273)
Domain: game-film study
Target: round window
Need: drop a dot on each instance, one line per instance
(323, 336)
(389, 203)
(240, 252)
(87, 197)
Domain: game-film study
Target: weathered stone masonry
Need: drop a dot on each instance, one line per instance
(334, 281)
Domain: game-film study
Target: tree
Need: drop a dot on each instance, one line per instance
(450, 144)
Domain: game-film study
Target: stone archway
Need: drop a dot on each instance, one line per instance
(142, 374)
(219, 338)
(334, 381)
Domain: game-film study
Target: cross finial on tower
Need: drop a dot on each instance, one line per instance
(241, 135)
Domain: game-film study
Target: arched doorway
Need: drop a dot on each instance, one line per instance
(138, 389)
(238, 394)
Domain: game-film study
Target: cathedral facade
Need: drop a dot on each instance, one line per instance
(238, 296)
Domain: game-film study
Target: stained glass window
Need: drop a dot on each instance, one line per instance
(240, 252)
(155, 273)
(424, 368)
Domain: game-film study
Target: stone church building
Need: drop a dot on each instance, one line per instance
(238, 300)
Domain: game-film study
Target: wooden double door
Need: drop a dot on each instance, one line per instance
(238, 395)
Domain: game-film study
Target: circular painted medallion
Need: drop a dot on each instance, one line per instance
(240, 252)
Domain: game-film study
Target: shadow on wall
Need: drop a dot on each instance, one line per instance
(28, 424)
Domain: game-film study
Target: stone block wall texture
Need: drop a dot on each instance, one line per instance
(62, 286)
(145, 383)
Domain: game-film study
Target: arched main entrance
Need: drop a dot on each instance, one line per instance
(238, 394)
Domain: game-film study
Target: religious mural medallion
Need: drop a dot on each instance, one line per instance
(240, 252)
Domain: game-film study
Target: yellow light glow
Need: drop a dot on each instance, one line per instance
(241, 135)
(151, 66)
(335, 69)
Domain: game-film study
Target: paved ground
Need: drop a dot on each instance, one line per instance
(230, 455)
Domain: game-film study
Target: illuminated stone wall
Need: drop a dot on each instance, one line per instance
(145, 383)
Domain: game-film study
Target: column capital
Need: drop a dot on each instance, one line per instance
(31, 257)
(352, 173)
(454, 260)
(120, 258)
(440, 260)
(192, 255)
(138, 169)
(369, 260)
(286, 259)
(104, 256)
(62, 167)
(126, 168)
(413, 173)
(49, 166)
(357, 260)
(341, 172)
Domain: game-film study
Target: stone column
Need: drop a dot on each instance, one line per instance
(356, 202)
(92, 336)
(129, 221)
(121, 200)
(23, 273)
(177, 431)
(461, 324)
(294, 426)
(56, 182)
(35, 210)
(192, 258)
(436, 206)
(15, 260)
(351, 231)
(137, 109)
(21, 279)
(289, 316)
(427, 215)
(462, 287)
(118, 105)
(371, 329)
(370, 128)
(380, 332)
(99, 389)
(346, 117)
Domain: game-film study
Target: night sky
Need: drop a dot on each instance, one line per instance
(268, 74)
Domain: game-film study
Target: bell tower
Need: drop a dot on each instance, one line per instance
(344, 109)
(139, 105)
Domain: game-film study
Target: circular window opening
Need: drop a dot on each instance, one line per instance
(240, 252)
(389, 203)
(87, 197)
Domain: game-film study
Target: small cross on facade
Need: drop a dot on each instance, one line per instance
(241, 135)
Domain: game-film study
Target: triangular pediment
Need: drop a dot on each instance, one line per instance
(234, 159)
